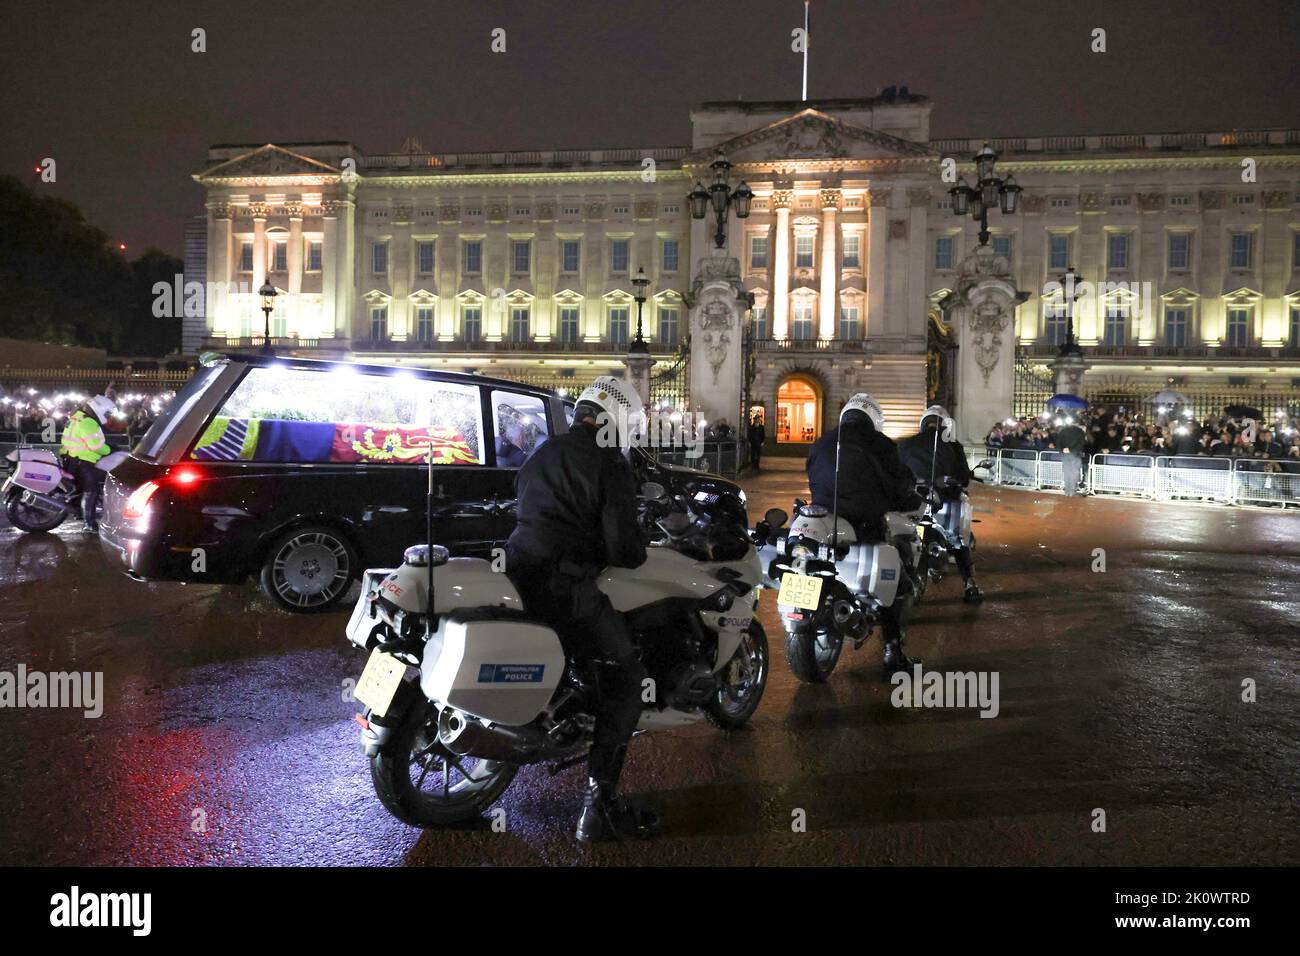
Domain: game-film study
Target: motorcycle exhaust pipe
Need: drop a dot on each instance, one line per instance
(848, 618)
(467, 737)
(44, 499)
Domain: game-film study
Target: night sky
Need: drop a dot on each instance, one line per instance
(112, 91)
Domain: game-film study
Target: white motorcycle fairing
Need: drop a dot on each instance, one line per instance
(818, 528)
(36, 469)
(954, 518)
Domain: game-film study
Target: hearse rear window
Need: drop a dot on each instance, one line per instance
(279, 414)
(521, 427)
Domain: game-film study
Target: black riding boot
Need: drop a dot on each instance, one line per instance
(606, 816)
(973, 594)
(894, 632)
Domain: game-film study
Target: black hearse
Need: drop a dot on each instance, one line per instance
(306, 472)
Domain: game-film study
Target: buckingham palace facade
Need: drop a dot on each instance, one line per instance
(520, 264)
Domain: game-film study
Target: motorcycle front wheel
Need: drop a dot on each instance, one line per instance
(741, 682)
(422, 783)
(812, 655)
(29, 518)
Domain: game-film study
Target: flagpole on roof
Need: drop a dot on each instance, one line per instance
(806, 40)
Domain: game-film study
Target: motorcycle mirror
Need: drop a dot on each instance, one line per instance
(986, 463)
(776, 517)
(653, 491)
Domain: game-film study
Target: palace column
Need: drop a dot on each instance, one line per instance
(259, 211)
(293, 317)
(328, 252)
(829, 263)
(217, 304)
(877, 250)
(781, 266)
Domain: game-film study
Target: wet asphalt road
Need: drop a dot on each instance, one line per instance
(1118, 690)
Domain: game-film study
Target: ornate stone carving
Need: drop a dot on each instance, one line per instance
(711, 268)
(918, 196)
(807, 137)
(715, 324)
(1151, 202)
(830, 198)
(448, 212)
(1277, 198)
(782, 199)
(330, 208)
(497, 212)
(1033, 203)
(1091, 202)
(878, 197)
(220, 210)
(403, 213)
(645, 209)
(595, 210)
(1211, 199)
(294, 210)
(898, 229)
(988, 321)
(258, 210)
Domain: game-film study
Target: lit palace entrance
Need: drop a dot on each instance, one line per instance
(798, 411)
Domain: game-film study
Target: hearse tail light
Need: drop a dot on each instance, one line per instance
(138, 504)
(184, 477)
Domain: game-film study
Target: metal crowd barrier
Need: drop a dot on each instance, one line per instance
(9, 440)
(1164, 477)
(721, 457)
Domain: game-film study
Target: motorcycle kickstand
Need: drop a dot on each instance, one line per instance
(558, 768)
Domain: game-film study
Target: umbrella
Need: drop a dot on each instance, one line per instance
(1243, 411)
(1061, 400)
(1167, 396)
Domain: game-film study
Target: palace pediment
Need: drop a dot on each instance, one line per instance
(812, 135)
(268, 161)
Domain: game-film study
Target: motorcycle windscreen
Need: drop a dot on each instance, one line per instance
(501, 670)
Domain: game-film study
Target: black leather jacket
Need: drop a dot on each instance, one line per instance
(949, 458)
(577, 504)
(872, 478)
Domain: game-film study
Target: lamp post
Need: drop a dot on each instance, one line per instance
(1069, 284)
(989, 190)
(268, 294)
(640, 282)
(722, 197)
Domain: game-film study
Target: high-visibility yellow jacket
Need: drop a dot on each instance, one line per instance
(84, 439)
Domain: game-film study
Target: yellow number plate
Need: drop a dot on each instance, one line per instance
(800, 590)
(379, 682)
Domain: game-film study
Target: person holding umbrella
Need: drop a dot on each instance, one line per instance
(1070, 439)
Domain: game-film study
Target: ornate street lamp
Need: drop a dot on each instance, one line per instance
(721, 196)
(640, 281)
(268, 294)
(989, 191)
(1070, 292)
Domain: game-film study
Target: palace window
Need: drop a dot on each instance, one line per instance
(1002, 246)
(1057, 323)
(1180, 199)
(1238, 328)
(1180, 250)
(424, 257)
(849, 326)
(1058, 251)
(314, 252)
(245, 257)
(519, 323)
(1116, 326)
(1176, 328)
(379, 258)
(803, 252)
(1243, 199)
(801, 325)
(1295, 327)
(473, 257)
(618, 316)
(621, 210)
(1241, 248)
(852, 251)
(379, 323)
(668, 324)
(569, 325)
(570, 250)
(618, 255)
(670, 255)
(1119, 202)
(943, 252)
(471, 323)
(279, 257)
(758, 252)
(1117, 251)
(758, 322)
(1060, 202)
(520, 256)
(424, 323)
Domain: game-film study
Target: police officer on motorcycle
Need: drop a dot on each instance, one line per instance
(577, 514)
(938, 460)
(871, 481)
(82, 446)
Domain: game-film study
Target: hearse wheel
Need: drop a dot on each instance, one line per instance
(309, 569)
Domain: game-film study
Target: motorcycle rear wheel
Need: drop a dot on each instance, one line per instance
(745, 678)
(812, 655)
(28, 518)
(422, 783)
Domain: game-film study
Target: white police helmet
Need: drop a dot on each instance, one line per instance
(946, 422)
(862, 402)
(620, 403)
(102, 406)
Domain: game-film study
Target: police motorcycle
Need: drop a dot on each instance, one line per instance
(40, 494)
(462, 687)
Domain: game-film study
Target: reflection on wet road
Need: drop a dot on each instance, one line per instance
(226, 738)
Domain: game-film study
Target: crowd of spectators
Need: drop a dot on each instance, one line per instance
(1120, 431)
(28, 410)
